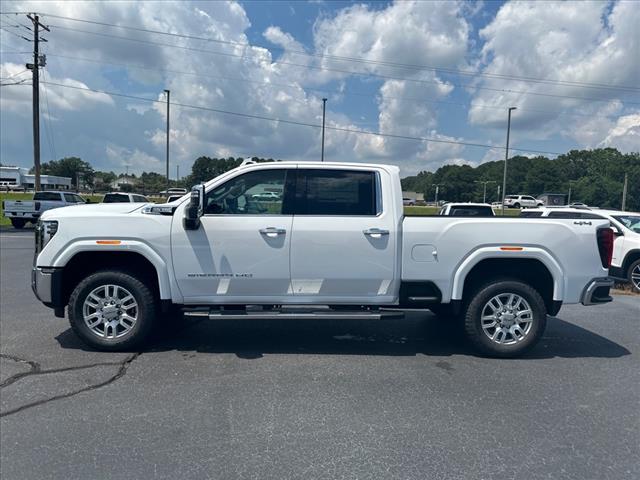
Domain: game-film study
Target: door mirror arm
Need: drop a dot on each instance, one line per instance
(195, 209)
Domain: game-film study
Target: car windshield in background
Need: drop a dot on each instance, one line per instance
(632, 222)
(471, 212)
(46, 196)
(116, 198)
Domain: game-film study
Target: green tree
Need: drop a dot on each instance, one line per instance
(72, 167)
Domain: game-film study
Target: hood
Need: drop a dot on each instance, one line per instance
(92, 210)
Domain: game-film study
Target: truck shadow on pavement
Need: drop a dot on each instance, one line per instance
(418, 334)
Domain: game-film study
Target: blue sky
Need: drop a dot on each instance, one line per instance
(442, 73)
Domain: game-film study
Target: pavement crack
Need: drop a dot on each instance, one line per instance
(36, 369)
(124, 365)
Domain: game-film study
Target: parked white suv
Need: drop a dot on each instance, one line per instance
(522, 201)
(625, 262)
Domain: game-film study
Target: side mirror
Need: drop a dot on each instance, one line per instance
(195, 209)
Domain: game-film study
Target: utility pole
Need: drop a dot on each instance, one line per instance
(324, 108)
(177, 173)
(35, 81)
(506, 157)
(437, 185)
(498, 197)
(624, 192)
(571, 182)
(168, 97)
(484, 190)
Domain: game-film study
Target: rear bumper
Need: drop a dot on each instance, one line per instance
(597, 291)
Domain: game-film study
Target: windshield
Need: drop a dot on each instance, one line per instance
(632, 222)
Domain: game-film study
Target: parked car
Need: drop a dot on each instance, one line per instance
(266, 197)
(120, 197)
(21, 212)
(173, 198)
(522, 201)
(408, 202)
(337, 245)
(579, 205)
(174, 191)
(467, 210)
(625, 261)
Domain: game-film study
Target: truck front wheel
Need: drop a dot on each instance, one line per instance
(18, 223)
(112, 311)
(505, 318)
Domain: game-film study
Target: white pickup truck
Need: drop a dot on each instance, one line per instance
(20, 212)
(334, 243)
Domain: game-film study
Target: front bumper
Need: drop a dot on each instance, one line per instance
(46, 284)
(597, 291)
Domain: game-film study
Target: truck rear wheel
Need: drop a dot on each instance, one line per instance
(634, 275)
(18, 223)
(112, 311)
(505, 318)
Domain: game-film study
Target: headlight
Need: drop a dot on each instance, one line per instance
(45, 230)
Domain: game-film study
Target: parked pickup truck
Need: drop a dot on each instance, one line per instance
(20, 212)
(335, 244)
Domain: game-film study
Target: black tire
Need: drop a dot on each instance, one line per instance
(516, 205)
(474, 310)
(146, 311)
(634, 269)
(18, 223)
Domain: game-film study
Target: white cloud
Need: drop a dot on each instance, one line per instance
(625, 134)
(573, 41)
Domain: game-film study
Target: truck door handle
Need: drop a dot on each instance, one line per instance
(272, 231)
(375, 232)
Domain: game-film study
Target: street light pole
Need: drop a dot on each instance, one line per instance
(324, 107)
(571, 182)
(168, 97)
(506, 157)
(484, 190)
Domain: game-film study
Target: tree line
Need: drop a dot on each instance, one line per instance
(595, 177)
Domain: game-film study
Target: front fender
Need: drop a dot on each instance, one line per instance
(123, 245)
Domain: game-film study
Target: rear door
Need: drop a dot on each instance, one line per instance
(343, 247)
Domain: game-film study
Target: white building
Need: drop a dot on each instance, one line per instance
(20, 178)
(123, 181)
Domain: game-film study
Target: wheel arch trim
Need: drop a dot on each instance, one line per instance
(495, 252)
(134, 246)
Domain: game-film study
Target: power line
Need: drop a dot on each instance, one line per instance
(347, 92)
(4, 29)
(452, 71)
(304, 124)
(348, 72)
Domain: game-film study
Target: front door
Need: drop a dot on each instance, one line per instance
(343, 248)
(240, 253)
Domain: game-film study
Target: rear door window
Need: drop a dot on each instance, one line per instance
(336, 192)
(47, 196)
(115, 198)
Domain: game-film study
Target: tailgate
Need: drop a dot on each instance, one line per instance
(19, 207)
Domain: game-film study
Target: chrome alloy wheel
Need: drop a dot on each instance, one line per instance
(635, 277)
(507, 319)
(110, 311)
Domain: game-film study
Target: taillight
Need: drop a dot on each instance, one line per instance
(605, 245)
(37, 204)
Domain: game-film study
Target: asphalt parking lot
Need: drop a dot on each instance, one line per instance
(315, 399)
